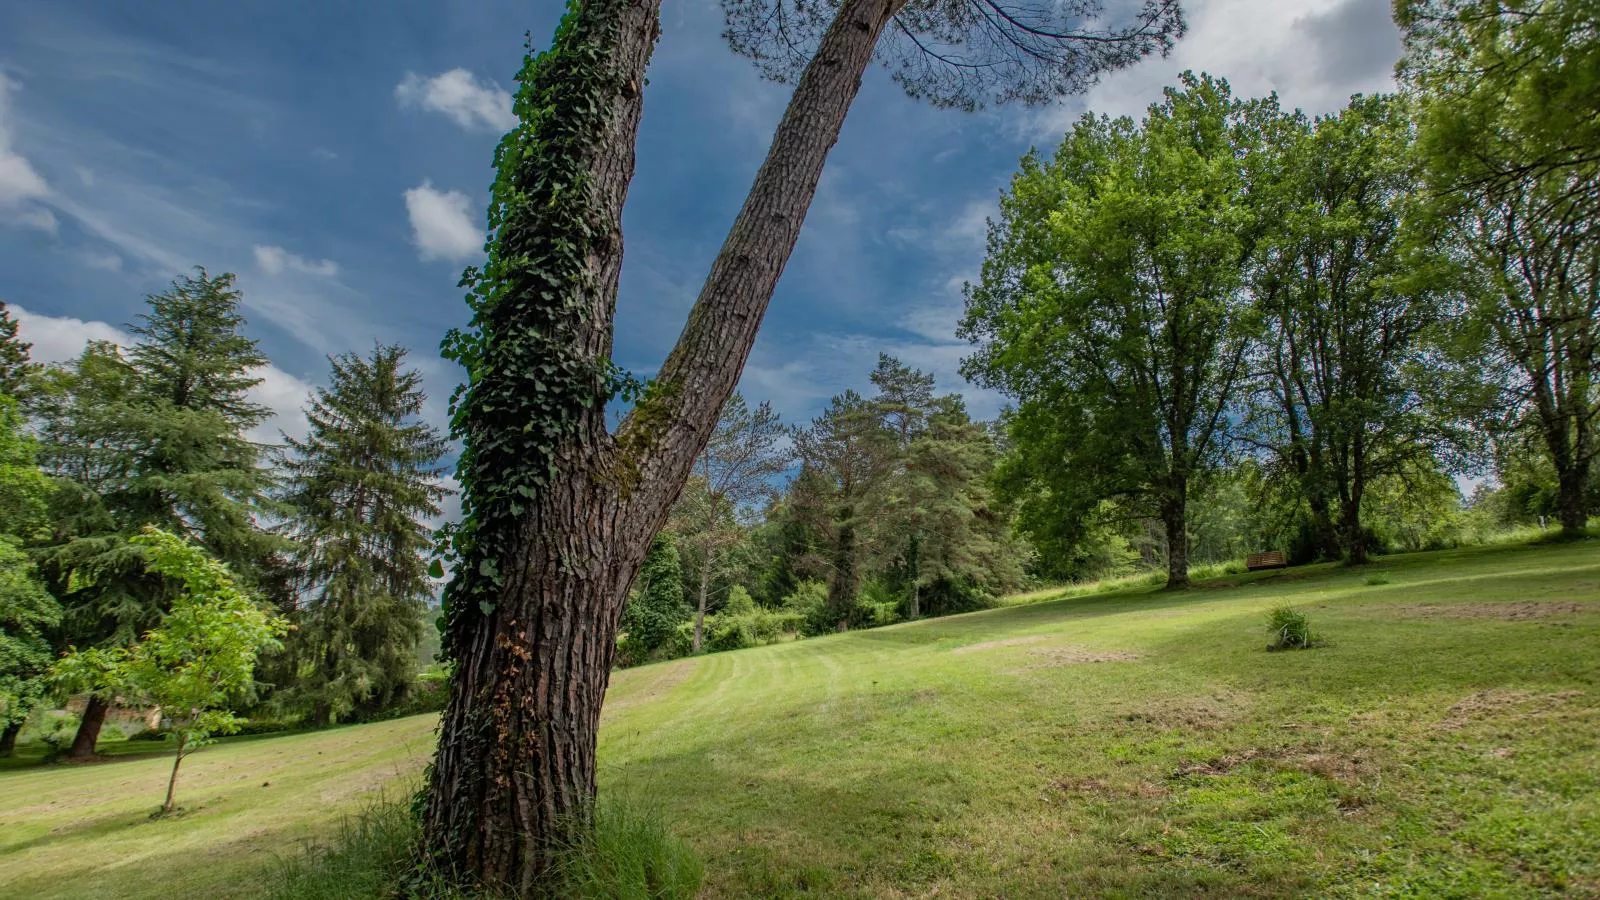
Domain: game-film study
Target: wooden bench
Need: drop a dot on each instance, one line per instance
(1272, 559)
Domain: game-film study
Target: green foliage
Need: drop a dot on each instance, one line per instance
(156, 438)
(532, 384)
(17, 369)
(1511, 152)
(1111, 307)
(361, 486)
(1351, 387)
(656, 607)
(27, 614)
(1290, 630)
(197, 661)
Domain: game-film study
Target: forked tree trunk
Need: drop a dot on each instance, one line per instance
(516, 761)
(94, 718)
(8, 738)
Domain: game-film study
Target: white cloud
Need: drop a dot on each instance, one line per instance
(442, 223)
(273, 260)
(59, 339)
(20, 183)
(459, 95)
(1314, 53)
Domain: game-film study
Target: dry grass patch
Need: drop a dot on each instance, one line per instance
(1502, 703)
(1188, 714)
(1007, 642)
(1511, 611)
(1079, 655)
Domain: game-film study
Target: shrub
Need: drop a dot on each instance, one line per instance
(810, 602)
(1291, 630)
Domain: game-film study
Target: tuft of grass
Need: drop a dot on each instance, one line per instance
(1291, 630)
(372, 855)
(628, 853)
(1377, 579)
(624, 851)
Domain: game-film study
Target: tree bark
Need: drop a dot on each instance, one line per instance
(94, 717)
(172, 780)
(700, 612)
(1175, 518)
(1572, 485)
(8, 738)
(516, 763)
(842, 586)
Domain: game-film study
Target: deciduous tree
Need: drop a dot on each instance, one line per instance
(1113, 304)
(196, 661)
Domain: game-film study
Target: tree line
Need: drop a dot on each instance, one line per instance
(330, 531)
(1227, 294)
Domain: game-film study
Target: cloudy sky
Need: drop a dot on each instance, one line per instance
(339, 163)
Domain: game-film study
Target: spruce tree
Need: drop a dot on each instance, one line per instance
(361, 486)
(16, 364)
(153, 438)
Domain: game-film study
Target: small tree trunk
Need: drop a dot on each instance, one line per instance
(700, 613)
(8, 738)
(1174, 516)
(94, 717)
(1572, 484)
(172, 780)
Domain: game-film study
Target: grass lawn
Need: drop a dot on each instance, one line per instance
(1445, 742)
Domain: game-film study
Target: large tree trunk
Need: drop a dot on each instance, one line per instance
(8, 738)
(516, 762)
(1175, 518)
(1572, 485)
(94, 717)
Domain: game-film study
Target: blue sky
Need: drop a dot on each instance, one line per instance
(337, 158)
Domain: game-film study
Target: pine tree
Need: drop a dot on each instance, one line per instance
(16, 365)
(156, 438)
(362, 485)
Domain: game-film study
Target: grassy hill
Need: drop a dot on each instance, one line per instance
(1445, 742)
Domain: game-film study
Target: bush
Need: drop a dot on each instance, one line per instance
(627, 853)
(1291, 630)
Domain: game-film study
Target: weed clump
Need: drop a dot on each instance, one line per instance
(1291, 630)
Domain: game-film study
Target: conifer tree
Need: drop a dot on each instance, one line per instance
(154, 438)
(362, 485)
(16, 364)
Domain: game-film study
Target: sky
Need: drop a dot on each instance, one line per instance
(338, 160)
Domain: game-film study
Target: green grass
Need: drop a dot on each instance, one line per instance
(1444, 742)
